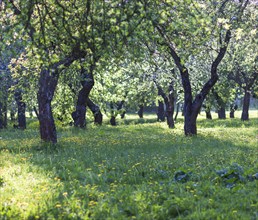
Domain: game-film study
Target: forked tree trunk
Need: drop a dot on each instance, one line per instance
(98, 117)
(246, 104)
(79, 115)
(21, 110)
(47, 85)
(192, 107)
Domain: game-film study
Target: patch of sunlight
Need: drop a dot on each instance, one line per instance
(24, 186)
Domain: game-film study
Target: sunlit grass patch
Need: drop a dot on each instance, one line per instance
(129, 172)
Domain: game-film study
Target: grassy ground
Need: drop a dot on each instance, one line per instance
(137, 170)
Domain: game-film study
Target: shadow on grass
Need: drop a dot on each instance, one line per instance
(102, 156)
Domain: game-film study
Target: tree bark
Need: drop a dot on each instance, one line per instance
(233, 108)
(221, 106)
(169, 102)
(192, 107)
(120, 107)
(21, 110)
(98, 117)
(207, 111)
(140, 111)
(177, 111)
(79, 115)
(246, 104)
(47, 85)
(161, 111)
(113, 115)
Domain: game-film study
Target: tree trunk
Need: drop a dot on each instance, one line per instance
(221, 106)
(98, 117)
(79, 115)
(161, 111)
(233, 108)
(36, 111)
(12, 115)
(177, 111)
(169, 102)
(246, 104)
(120, 107)
(47, 85)
(140, 112)
(222, 112)
(208, 114)
(207, 111)
(1, 116)
(192, 107)
(21, 110)
(113, 115)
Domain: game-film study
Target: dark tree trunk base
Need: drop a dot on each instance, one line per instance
(222, 113)
(161, 112)
(246, 104)
(140, 112)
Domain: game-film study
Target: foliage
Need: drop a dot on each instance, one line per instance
(129, 171)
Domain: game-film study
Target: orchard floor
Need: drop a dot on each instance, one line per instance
(137, 170)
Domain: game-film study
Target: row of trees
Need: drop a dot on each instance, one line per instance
(56, 52)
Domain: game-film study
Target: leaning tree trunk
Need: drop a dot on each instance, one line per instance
(47, 85)
(98, 117)
(246, 104)
(21, 110)
(79, 115)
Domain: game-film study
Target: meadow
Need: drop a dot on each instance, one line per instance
(139, 169)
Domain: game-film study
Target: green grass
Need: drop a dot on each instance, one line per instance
(128, 171)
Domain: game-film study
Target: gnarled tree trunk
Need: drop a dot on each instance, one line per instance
(192, 107)
(79, 115)
(47, 85)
